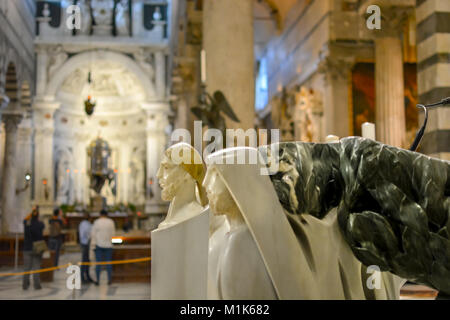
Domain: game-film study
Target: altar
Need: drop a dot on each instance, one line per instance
(131, 245)
(119, 218)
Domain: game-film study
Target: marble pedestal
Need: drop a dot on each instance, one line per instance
(97, 203)
(180, 260)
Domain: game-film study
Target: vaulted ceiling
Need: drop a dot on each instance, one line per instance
(269, 16)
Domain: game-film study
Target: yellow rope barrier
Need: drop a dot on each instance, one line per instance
(114, 262)
(79, 263)
(34, 271)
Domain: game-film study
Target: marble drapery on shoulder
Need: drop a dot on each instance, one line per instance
(305, 258)
(393, 205)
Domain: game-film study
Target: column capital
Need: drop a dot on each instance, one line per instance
(335, 68)
(157, 122)
(156, 107)
(24, 133)
(41, 49)
(394, 15)
(46, 105)
(11, 121)
(44, 131)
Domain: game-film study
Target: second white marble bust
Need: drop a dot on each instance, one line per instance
(180, 175)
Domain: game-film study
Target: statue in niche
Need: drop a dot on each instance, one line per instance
(108, 192)
(270, 252)
(86, 20)
(102, 13)
(303, 118)
(57, 58)
(122, 18)
(102, 177)
(137, 179)
(282, 117)
(64, 179)
(145, 60)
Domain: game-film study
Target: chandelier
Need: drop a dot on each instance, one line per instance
(89, 104)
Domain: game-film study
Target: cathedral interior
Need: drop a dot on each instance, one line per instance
(91, 92)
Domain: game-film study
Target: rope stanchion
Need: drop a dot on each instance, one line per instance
(79, 263)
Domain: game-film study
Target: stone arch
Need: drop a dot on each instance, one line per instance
(11, 83)
(90, 56)
(275, 13)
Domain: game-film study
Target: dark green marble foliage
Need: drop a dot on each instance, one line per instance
(393, 204)
(308, 180)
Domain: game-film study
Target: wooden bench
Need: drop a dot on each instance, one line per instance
(131, 272)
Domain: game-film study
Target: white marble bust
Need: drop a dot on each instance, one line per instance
(261, 254)
(180, 175)
(235, 267)
(180, 243)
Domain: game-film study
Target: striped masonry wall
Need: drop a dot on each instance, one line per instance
(11, 83)
(433, 67)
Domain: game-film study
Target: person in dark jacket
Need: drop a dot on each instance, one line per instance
(33, 231)
(55, 239)
(84, 231)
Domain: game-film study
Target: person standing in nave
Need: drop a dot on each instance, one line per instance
(33, 232)
(56, 237)
(84, 230)
(101, 235)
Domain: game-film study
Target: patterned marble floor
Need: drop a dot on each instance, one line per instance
(11, 287)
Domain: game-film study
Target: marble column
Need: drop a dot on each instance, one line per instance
(160, 77)
(80, 162)
(9, 203)
(2, 154)
(4, 101)
(336, 73)
(389, 81)
(157, 123)
(24, 163)
(389, 88)
(124, 175)
(43, 155)
(41, 70)
(228, 43)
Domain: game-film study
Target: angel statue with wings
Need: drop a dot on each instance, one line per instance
(211, 108)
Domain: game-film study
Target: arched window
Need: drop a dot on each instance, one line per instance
(262, 93)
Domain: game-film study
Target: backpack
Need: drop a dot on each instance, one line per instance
(55, 228)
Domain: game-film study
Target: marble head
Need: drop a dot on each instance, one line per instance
(180, 163)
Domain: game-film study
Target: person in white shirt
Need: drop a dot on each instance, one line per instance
(84, 231)
(101, 235)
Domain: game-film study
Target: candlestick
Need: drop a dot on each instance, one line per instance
(331, 138)
(368, 130)
(203, 66)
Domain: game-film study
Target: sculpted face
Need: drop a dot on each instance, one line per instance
(171, 178)
(220, 199)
